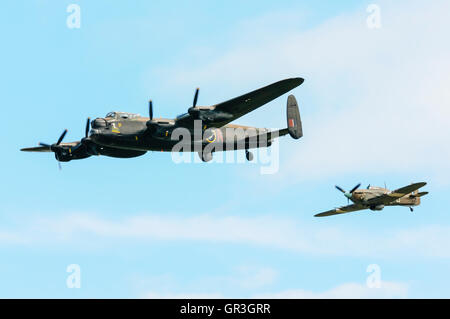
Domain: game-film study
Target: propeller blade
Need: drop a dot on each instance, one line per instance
(355, 188)
(195, 97)
(45, 145)
(61, 137)
(88, 123)
(340, 189)
(150, 109)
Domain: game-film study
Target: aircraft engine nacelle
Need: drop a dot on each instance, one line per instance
(378, 207)
(208, 114)
(62, 154)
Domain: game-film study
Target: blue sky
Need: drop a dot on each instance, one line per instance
(375, 110)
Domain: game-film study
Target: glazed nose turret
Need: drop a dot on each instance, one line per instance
(99, 123)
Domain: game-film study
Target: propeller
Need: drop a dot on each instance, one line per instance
(55, 147)
(195, 97)
(348, 194)
(340, 189)
(85, 140)
(86, 136)
(150, 109)
(88, 123)
(193, 111)
(355, 188)
(152, 127)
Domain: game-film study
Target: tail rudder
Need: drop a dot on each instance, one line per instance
(294, 121)
(416, 195)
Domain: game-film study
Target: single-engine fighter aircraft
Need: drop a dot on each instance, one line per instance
(376, 198)
(126, 135)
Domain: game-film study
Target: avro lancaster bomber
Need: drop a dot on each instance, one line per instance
(126, 135)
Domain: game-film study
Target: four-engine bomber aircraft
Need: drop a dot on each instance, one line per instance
(376, 198)
(126, 135)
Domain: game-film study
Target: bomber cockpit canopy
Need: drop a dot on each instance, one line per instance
(122, 115)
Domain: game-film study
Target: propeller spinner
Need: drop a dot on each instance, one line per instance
(348, 194)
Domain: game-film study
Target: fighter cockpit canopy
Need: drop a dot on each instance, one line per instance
(375, 188)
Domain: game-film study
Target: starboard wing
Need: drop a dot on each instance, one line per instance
(241, 105)
(394, 195)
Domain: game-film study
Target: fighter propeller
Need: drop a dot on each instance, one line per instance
(350, 193)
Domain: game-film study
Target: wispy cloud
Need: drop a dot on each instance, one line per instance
(345, 291)
(349, 290)
(380, 97)
(265, 231)
(244, 278)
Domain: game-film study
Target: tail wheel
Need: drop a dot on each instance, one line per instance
(248, 155)
(205, 156)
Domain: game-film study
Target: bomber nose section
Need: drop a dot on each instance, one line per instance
(95, 135)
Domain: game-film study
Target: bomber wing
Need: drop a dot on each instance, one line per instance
(342, 210)
(394, 195)
(46, 148)
(228, 111)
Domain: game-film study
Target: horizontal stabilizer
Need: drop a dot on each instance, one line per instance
(421, 194)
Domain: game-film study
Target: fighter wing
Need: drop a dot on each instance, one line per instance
(394, 195)
(228, 111)
(342, 210)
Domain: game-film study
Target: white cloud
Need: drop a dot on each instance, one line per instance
(252, 277)
(345, 291)
(242, 278)
(381, 102)
(351, 290)
(266, 231)
(8, 237)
